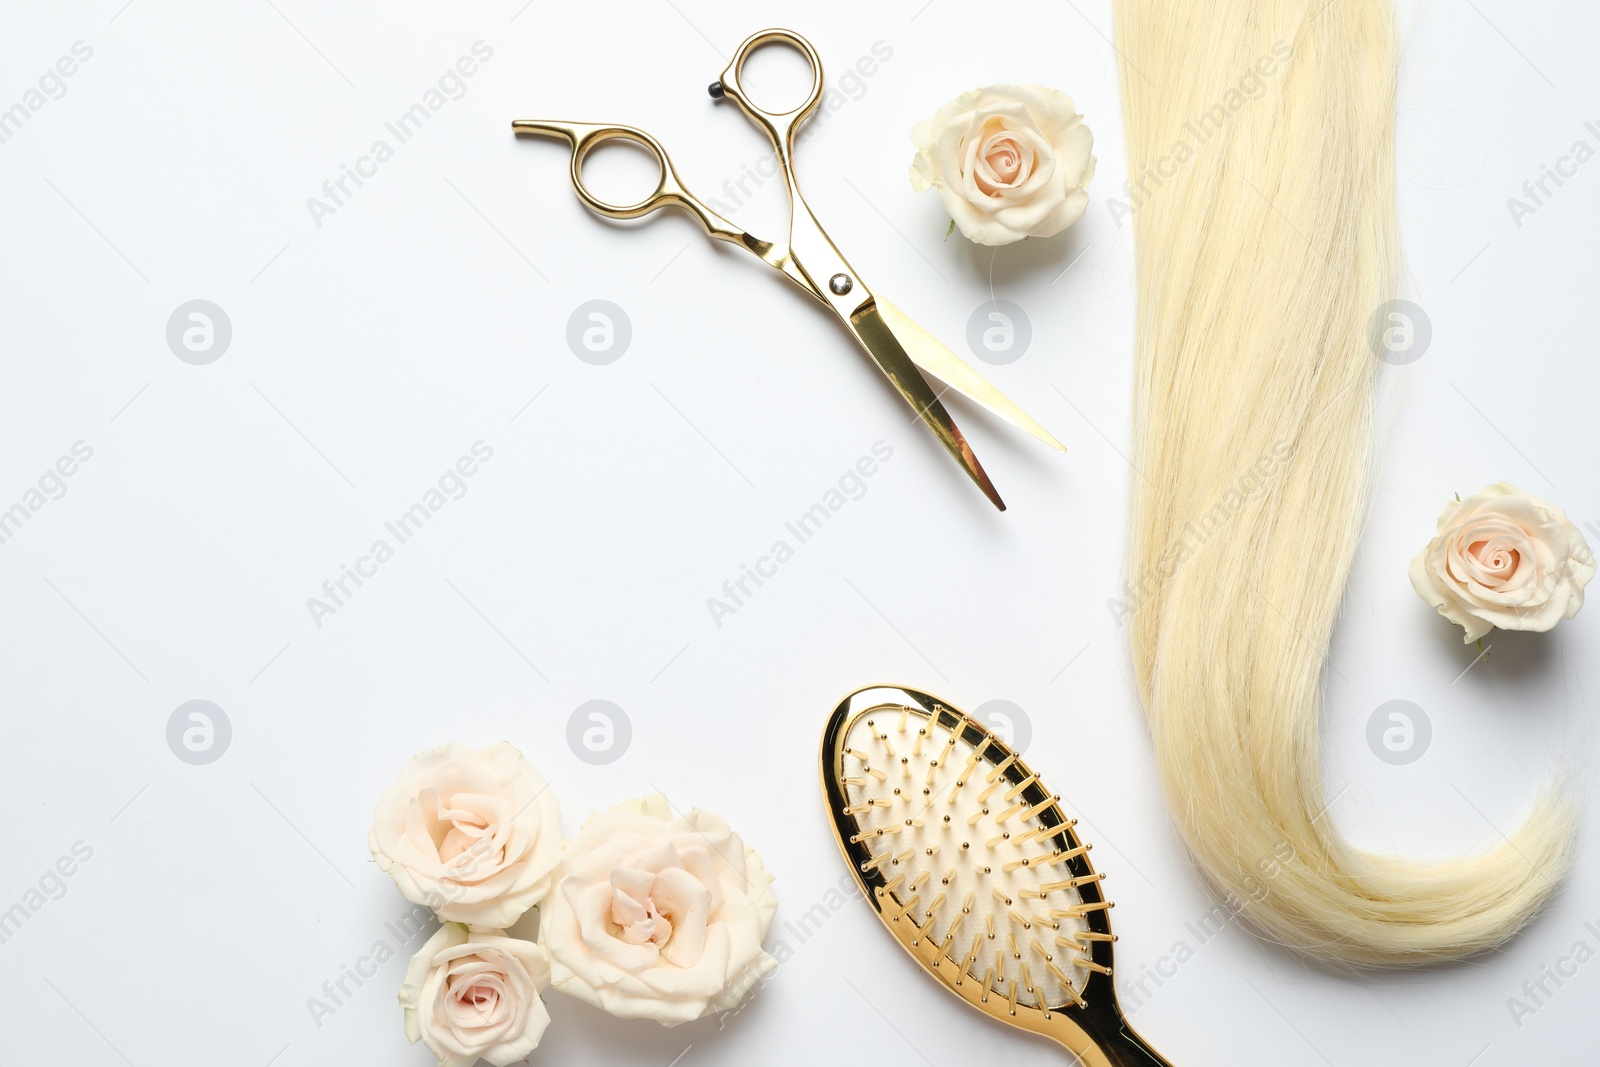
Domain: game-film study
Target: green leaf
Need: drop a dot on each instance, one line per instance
(950, 229)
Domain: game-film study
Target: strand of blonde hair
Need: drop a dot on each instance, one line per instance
(1260, 148)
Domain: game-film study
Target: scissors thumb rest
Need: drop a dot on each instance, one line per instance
(584, 137)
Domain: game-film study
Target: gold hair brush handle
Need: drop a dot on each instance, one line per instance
(1112, 1044)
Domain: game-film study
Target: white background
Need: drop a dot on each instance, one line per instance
(429, 311)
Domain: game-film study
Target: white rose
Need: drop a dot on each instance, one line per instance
(476, 993)
(474, 834)
(658, 917)
(1009, 161)
(1504, 558)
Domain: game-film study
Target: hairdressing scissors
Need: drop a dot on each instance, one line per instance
(808, 258)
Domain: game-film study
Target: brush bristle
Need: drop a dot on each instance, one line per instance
(968, 849)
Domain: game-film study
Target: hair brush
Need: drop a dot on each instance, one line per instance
(969, 861)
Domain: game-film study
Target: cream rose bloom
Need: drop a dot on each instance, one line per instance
(1504, 558)
(474, 834)
(658, 917)
(470, 994)
(1009, 161)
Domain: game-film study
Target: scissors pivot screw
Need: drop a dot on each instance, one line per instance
(715, 89)
(841, 284)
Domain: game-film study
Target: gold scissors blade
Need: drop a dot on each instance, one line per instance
(926, 352)
(868, 324)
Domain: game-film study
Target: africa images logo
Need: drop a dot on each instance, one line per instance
(451, 85)
(851, 485)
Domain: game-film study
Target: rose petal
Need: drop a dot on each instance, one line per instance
(687, 901)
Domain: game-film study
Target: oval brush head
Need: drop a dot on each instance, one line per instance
(971, 864)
